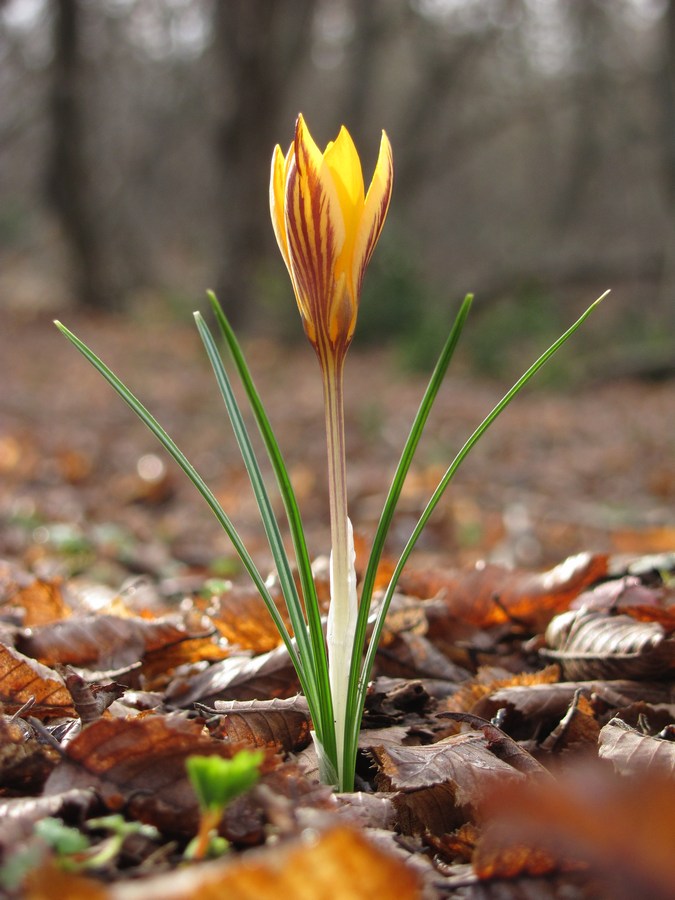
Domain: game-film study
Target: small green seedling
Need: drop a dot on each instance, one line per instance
(216, 782)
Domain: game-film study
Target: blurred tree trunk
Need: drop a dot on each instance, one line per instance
(590, 22)
(69, 178)
(666, 91)
(258, 45)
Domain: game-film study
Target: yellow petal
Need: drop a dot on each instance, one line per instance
(374, 213)
(344, 164)
(277, 200)
(315, 232)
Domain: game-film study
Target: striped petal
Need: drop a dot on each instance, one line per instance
(327, 229)
(277, 192)
(374, 213)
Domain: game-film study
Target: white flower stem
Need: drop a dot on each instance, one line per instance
(343, 609)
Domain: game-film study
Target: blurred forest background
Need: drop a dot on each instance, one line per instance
(534, 146)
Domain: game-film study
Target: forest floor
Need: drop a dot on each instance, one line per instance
(119, 594)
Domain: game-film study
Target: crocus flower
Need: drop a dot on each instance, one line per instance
(327, 226)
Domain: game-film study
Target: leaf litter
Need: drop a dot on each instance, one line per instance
(517, 739)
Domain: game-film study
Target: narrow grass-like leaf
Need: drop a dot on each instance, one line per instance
(312, 609)
(177, 454)
(433, 502)
(270, 524)
(389, 508)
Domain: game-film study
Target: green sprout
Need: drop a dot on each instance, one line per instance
(216, 782)
(326, 226)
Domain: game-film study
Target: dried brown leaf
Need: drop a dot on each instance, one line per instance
(238, 678)
(621, 828)
(368, 810)
(140, 761)
(633, 753)
(491, 594)
(240, 615)
(25, 763)
(50, 882)
(101, 641)
(540, 703)
(463, 760)
(159, 665)
(41, 601)
(23, 679)
(595, 644)
(499, 743)
(340, 864)
(277, 724)
(486, 685)
(577, 730)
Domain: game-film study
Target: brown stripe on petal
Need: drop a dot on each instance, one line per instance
(375, 212)
(311, 242)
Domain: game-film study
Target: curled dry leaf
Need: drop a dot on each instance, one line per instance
(238, 678)
(100, 642)
(90, 700)
(23, 679)
(618, 594)
(632, 753)
(277, 724)
(595, 644)
(542, 703)
(340, 864)
(577, 730)
(499, 743)
(487, 683)
(491, 595)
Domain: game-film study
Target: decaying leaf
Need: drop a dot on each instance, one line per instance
(40, 600)
(491, 594)
(160, 665)
(241, 616)
(439, 784)
(339, 864)
(90, 700)
(621, 828)
(100, 642)
(25, 762)
(488, 683)
(238, 678)
(142, 762)
(578, 729)
(277, 724)
(595, 644)
(503, 746)
(23, 679)
(632, 753)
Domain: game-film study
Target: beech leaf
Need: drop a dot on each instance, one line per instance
(23, 679)
(595, 644)
(632, 752)
(491, 594)
(340, 863)
(100, 641)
